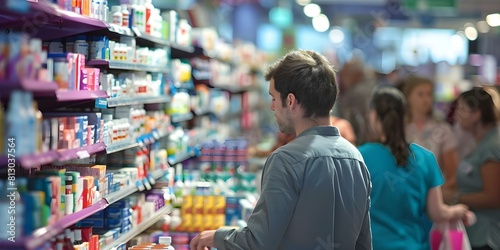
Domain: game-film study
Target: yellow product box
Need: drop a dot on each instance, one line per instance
(198, 202)
(186, 224)
(219, 205)
(208, 205)
(100, 170)
(208, 222)
(219, 220)
(197, 225)
(187, 205)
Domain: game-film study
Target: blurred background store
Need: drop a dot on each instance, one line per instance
(125, 120)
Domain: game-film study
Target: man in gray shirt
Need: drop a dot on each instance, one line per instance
(316, 189)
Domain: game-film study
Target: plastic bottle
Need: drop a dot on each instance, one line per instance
(30, 132)
(81, 45)
(78, 237)
(70, 44)
(148, 16)
(38, 127)
(15, 123)
(125, 15)
(56, 46)
(117, 16)
(165, 242)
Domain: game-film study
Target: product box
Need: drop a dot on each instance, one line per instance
(233, 210)
(88, 189)
(84, 120)
(68, 69)
(83, 81)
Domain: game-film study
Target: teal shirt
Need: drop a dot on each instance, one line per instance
(399, 196)
(486, 231)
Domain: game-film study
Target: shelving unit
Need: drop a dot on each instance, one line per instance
(29, 85)
(100, 63)
(80, 95)
(30, 161)
(44, 234)
(58, 23)
(125, 101)
(145, 139)
(139, 228)
(178, 158)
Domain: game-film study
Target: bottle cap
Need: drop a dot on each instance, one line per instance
(116, 8)
(165, 240)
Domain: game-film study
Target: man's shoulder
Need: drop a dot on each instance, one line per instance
(302, 147)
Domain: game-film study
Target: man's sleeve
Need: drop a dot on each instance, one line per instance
(365, 235)
(272, 214)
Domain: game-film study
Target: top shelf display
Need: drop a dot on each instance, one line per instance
(47, 21)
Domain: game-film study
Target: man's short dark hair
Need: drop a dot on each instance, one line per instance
(309, 76)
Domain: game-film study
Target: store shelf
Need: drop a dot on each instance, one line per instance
(124, 101)
(116, 196)
(29, 85)
(45, 20)
(44, 234)
(121, 145)
(178, 51)
(145, 139)
(123, 239)
(34, 160)
(29, 161)
(38, 159)
(148, 39)
(101, 63)
(81, 153)
(79, 95)
(120, 30)
(175, 118)
(178, 158)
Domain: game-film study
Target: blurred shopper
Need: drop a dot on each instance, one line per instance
(315, 189)
(345, 128)
(405, 178)
(466, 140)
(479, 173)
(423, 129)
(282, 139)
(355, 92)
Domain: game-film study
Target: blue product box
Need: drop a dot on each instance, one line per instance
(233, 209)
(112, 223)
(123, 203)
(94, 223)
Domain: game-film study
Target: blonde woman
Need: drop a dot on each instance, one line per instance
(425, 130)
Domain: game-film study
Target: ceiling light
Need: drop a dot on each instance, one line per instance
(471, 33)
(493, 19)
(312, 10)
(336, 35)
(321, 23)
(303, 2)
(483, 27)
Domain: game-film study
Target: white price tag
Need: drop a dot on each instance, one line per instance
(83, 154)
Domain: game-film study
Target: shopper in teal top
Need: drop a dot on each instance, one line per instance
(406, 179)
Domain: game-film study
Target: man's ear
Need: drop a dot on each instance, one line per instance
(291, 101)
